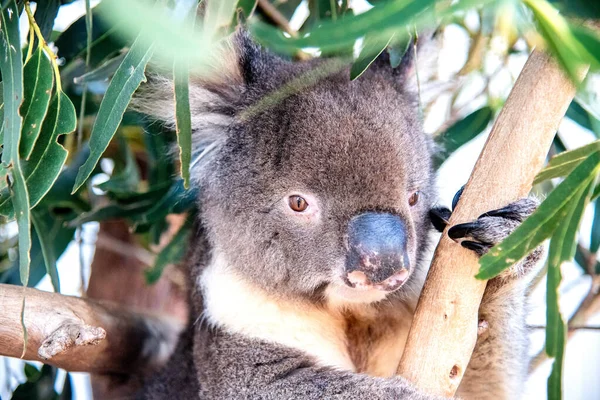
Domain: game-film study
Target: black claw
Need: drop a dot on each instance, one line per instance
(439, 217)
(462, 230)
(508, 212)
(457, 197)
(477, 247)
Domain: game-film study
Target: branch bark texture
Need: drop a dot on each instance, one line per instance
(444, 329)
(81, 334)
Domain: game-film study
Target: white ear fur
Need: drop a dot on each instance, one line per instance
(213, 90)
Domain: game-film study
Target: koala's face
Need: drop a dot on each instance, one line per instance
(325, 194)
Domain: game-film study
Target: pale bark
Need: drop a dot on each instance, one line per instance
(81, 334)
(444, 330)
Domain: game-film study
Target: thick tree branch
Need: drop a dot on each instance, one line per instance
(82, 335)
(444, 330)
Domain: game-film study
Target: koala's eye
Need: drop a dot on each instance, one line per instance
(414, 198)
(297, 203)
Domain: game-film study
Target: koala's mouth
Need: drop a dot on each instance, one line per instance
(359, 280)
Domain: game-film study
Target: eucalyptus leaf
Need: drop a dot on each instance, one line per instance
(38, 80)
(560, 38)
(45, 14)
(46, 234)
(372, 47)
(551, 214)
(172, 253)
(128, 77)
(563, 163)
(329, 37)
(562, 248)
(595, 234)
(11, 66)
(103, 72)
(462, 132)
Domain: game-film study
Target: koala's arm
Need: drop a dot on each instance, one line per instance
(249, 369)
(499, 364)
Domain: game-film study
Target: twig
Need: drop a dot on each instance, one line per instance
(276, 17)
(570, 328)
(124, 249)
(589, 307)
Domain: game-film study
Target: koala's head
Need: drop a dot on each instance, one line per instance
(316, 190)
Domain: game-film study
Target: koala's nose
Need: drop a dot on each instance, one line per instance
(376, 251)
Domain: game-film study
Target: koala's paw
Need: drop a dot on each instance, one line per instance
(490, 229)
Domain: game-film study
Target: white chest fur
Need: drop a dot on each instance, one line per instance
(239, 307)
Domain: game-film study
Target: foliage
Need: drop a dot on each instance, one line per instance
(51, 175)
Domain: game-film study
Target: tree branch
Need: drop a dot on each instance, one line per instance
(589, 307)
(444, 329)
(82, 335)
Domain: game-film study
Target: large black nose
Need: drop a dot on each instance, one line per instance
(376, 251)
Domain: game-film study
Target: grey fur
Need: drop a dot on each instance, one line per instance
(354, 147)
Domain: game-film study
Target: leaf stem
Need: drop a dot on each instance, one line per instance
(30, 46)
(47, 49)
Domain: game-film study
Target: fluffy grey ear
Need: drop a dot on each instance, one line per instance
(417, 66)
(217, 92)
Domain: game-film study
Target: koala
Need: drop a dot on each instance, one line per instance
(309, 252)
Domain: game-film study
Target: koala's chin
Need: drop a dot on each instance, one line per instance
(356, 288)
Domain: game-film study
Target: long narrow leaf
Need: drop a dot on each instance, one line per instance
(373, 46)
(562, 248)
(565, 162)
(46, 235)
(126, 80)
(462, 132)
(542, 223)
(11, 66)
(172, 253)
(38, 80)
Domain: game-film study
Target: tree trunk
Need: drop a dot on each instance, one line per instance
(81, 334)
(444, 329)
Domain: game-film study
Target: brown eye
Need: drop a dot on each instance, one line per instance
(413, 199)
(298, 203)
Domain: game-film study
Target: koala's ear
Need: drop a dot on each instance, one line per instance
(418, 64)
(217, 91)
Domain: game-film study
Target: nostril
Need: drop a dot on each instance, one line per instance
(358, 279)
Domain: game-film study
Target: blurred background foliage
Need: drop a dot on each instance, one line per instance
(73, 153)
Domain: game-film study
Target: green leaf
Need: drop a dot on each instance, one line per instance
(563, 163)
(551, 214)
(128, 77)
(103, 72)
(183, 116)
(126, 180)
(329, 37)
(243, 10)
(595, 234)
(462, 132)
(580, 115)
(172, 253)
(555, 333)
(38, 78)
(560, 38)
(11, 66)
(46, 234)
(45, 14)
(372, 47)
(580, 8)
(562, 248)
(590, 40)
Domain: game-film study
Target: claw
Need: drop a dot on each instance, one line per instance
(439, 218)
(457, 197)
(477, 247)
(462, 230)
